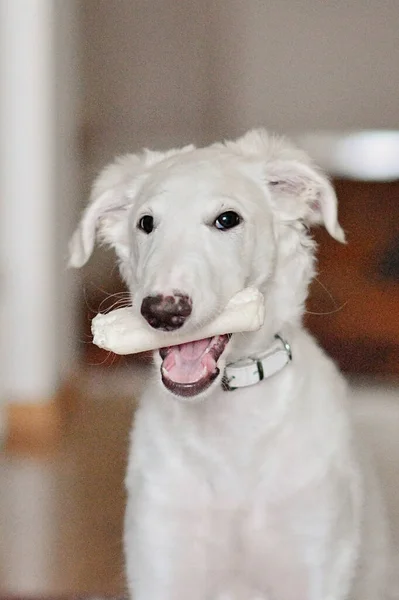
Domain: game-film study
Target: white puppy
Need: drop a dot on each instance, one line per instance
(246, 488)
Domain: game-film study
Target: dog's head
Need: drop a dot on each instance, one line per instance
(191, 227)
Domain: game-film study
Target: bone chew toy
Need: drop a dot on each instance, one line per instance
(123, 332)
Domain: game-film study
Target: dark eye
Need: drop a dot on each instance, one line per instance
(146, 223)
(228, 220)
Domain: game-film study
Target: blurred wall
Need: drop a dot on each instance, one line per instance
(168, 71)
(146, 74)
(299, 65)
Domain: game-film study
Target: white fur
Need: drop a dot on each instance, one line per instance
(256, 493)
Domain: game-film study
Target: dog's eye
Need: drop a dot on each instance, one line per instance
(228, 220)
(146, 223)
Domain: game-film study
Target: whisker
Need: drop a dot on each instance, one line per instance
(100, 364)
(333, 300)
(86, 301)
(119, 297)
(99, 289)
(123, 303)
(329, 312)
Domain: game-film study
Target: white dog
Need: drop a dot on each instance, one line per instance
(248, 493)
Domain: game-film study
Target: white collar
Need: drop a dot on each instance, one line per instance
(248, 371)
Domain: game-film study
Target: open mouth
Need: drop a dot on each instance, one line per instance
(189, 369)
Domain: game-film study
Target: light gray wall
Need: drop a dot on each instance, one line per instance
(168, 71)
(145, 74)
(305, 64)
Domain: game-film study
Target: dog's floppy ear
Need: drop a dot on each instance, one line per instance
(112, 196)
(105, 215)
(300, 191)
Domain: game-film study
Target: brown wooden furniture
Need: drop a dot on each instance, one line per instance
(362, 330)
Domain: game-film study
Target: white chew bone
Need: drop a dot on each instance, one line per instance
(123, 332)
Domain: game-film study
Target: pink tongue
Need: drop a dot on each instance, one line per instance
(189, 362)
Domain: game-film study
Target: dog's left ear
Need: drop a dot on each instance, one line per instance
(300, 191)
(105, 216)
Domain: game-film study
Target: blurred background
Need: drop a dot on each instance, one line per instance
(84, 80)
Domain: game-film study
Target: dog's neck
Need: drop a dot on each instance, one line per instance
(253, 344)
(285, 294)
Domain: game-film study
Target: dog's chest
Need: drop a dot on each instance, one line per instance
(261, 498)
(260, 533)
(219, 459)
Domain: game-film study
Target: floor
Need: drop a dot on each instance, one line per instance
(61, 515)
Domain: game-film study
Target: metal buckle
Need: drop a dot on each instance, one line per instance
(286, 345)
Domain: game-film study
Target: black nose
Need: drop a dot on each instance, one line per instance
(166, 312)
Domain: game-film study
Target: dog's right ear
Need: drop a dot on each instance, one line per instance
(105, 217)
